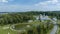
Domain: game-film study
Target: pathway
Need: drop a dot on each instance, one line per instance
(54, 28)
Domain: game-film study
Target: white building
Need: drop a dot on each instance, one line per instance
(43, 17)
(54, 19)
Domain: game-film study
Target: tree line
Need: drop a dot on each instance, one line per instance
(14, 18)
(20, 17)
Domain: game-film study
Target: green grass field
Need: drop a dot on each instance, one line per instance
(7, 30)
(34, 25)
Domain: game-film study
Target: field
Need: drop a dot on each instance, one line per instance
(6, 30)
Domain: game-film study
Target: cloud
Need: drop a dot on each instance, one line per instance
(4, 1)
(15, 8)
(41, 6)
(50, 5)
(47, 2)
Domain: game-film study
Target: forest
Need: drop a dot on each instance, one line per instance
(21, 17)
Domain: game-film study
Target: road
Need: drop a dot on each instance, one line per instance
(54, 28)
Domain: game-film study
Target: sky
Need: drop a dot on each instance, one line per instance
(29, 5)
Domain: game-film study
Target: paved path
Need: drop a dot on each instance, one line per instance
(54, 28)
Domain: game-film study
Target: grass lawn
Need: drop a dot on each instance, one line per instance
(58, 22)
(6, 28)
(6, 31)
